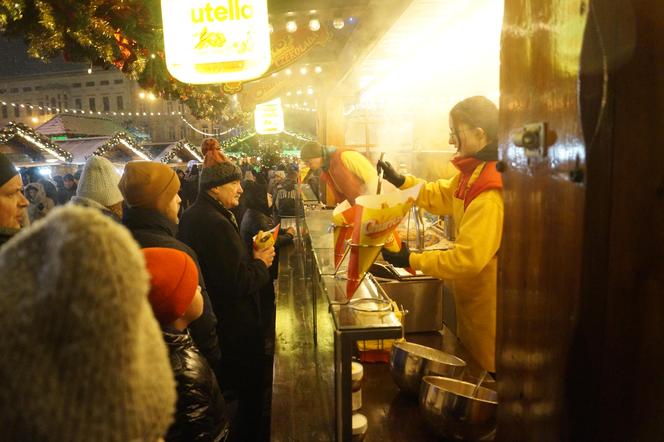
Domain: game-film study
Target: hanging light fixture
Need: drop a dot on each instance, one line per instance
(338, 23)
(314, 24)
(291, 26)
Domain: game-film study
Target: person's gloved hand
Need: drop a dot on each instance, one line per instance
(390, 173)
(400, 258)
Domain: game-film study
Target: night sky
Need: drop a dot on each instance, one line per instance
(16, 61)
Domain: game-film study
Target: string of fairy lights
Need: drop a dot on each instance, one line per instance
(180, 146)
(13, 130)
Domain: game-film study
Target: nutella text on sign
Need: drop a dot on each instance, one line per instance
(221, 41)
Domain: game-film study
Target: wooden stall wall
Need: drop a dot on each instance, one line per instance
(581, 298)
(542, 240)
(615, 387)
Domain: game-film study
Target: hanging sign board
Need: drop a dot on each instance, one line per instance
(269, 117)
(216, 41)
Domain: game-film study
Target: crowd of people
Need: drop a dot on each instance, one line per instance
(146, 311)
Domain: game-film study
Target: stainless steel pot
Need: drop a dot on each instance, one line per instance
(453, 413)
(409, 362)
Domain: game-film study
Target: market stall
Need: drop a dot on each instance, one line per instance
(180, 153)
(27, 148)
(120, 148)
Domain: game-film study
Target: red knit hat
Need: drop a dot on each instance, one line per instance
(174, 278)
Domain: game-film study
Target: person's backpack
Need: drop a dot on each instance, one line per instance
(286, 202)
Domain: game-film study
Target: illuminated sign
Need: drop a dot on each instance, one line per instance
(221, 41)
(269, 117)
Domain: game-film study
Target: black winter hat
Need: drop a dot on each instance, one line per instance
(7, 170)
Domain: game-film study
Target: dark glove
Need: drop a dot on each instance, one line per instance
(390, 173)
(400, 258)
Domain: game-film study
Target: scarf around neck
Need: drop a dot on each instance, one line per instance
(477, 176)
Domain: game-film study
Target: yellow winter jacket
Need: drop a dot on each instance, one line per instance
(471, 266)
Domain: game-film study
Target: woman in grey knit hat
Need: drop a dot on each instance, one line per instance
(82, 354)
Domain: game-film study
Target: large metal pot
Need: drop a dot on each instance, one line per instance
(409, 362)
(453, 413)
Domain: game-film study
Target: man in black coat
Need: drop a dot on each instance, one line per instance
(235, 277)
(150, 191)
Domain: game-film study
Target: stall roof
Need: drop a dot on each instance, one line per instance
(182, 150)
(120, 148)
(26, 147)
(79, 126)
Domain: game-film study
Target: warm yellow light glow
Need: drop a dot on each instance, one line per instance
(35, 119)
(141, 95)
(338, 23)
(269, 117)
(303, 71)
(318, 69)
(291, 26)
(216, 41)
(151, 97)
(289, 71)
(314, 24)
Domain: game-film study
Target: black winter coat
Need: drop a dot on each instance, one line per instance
(152, 229)
(6, 234)
(201, 410)
(234, 280)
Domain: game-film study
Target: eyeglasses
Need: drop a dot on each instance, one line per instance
(454, 137)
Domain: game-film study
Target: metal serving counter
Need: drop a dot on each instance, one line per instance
(311, 396)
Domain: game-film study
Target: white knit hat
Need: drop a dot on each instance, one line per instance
(99, 182)
(82, 356)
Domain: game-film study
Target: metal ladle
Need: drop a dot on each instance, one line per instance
(477, 387)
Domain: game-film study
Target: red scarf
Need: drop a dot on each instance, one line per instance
(489, 178)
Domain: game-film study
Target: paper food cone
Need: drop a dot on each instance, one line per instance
(376, 218)
(342, 219)
(263, 240)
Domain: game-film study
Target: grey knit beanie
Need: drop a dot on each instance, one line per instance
(82, 355)
(99, 182)
(219, 174)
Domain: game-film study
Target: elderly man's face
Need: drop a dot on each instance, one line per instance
(69, 183)
(12, 203)
(229, 194)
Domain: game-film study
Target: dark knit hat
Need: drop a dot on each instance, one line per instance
(173, 282)
(148, 184)
(83, 358)
(7, 170)
(311, 150)
(219, 174)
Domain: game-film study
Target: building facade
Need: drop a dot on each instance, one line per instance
(35, 98)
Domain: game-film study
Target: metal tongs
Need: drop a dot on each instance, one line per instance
(380, 176)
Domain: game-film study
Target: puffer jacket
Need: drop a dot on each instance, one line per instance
(150, 228)
(201, 410)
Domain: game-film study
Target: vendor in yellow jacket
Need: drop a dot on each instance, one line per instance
(347, 173)
(474, 199)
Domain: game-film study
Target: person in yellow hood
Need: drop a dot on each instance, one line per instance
(474, 199)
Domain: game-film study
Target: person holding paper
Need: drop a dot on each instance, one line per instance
(474, 198)
(346, 172)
